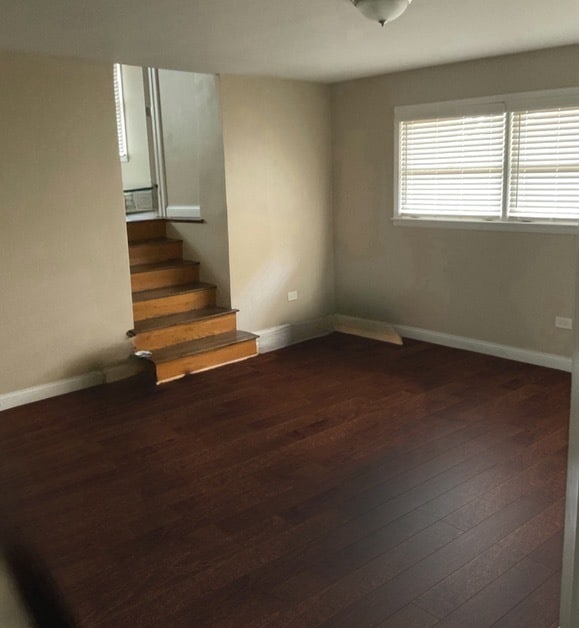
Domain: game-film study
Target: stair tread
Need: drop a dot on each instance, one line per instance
(171, 320)
(146, 268)
(201, 345)
(159, 293)
(150, 241)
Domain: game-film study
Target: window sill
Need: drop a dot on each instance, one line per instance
(199, 221)
(488, 225)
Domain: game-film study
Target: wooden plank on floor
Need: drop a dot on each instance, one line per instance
(340, 482)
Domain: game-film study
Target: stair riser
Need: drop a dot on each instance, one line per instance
(153, 253)
(146, 230)
(160, 338)
(164, 278)
(186, 365)
(175, 304)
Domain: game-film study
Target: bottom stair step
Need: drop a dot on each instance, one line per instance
(194, 356)
(157, 333)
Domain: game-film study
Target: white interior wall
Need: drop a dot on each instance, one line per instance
(181, 141)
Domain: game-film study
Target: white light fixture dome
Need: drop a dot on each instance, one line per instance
(382, 11)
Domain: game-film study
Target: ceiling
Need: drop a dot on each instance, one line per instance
(321, 40)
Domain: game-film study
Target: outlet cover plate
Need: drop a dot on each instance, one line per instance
(563, 323)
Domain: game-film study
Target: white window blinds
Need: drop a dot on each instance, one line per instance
(452, 166)
(544, 164)
(120, 112)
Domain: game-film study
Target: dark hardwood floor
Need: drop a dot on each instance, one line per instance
(340, 482)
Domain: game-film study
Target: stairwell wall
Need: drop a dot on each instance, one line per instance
(208, 242)
(65, 298)
(277, 138)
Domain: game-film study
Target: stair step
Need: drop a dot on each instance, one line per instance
(195, 347)
(178, 327)
(163, 274)
(156, 333)
(155, 250)
(146, 229)
(178, 319)
(199, 355)
(172, 300)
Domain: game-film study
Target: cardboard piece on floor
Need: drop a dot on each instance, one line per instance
(376, 330)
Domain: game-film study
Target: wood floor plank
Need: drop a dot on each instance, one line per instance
(537, 609)
(495, 600)
(550, 553)
(393, 595)
(323, 607)
(546, 474)
(409, 617)
(464, 583)
(340, 482)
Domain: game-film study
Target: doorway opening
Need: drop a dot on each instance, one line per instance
(158, 138)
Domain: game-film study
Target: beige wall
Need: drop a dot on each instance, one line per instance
(494, 286)
(136, 172)
(277, 138)
(209, 242)
(64, 281)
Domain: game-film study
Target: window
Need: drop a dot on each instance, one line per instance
(452, 166)
(495, 161)
(120, 112)
(544, 164)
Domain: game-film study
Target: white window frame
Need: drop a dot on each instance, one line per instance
(567, 97)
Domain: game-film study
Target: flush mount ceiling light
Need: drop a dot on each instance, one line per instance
(382, 11)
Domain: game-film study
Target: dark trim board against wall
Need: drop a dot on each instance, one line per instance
(339, 482)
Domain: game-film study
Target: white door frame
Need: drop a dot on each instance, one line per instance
(155, 132)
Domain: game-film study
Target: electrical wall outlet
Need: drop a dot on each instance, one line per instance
(292, 296)
(563, 323)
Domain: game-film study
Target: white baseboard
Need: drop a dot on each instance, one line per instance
(53, 389)
(270, 339)
(292, 333)
(549, 360)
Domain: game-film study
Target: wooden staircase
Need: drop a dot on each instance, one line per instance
(178, 328)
